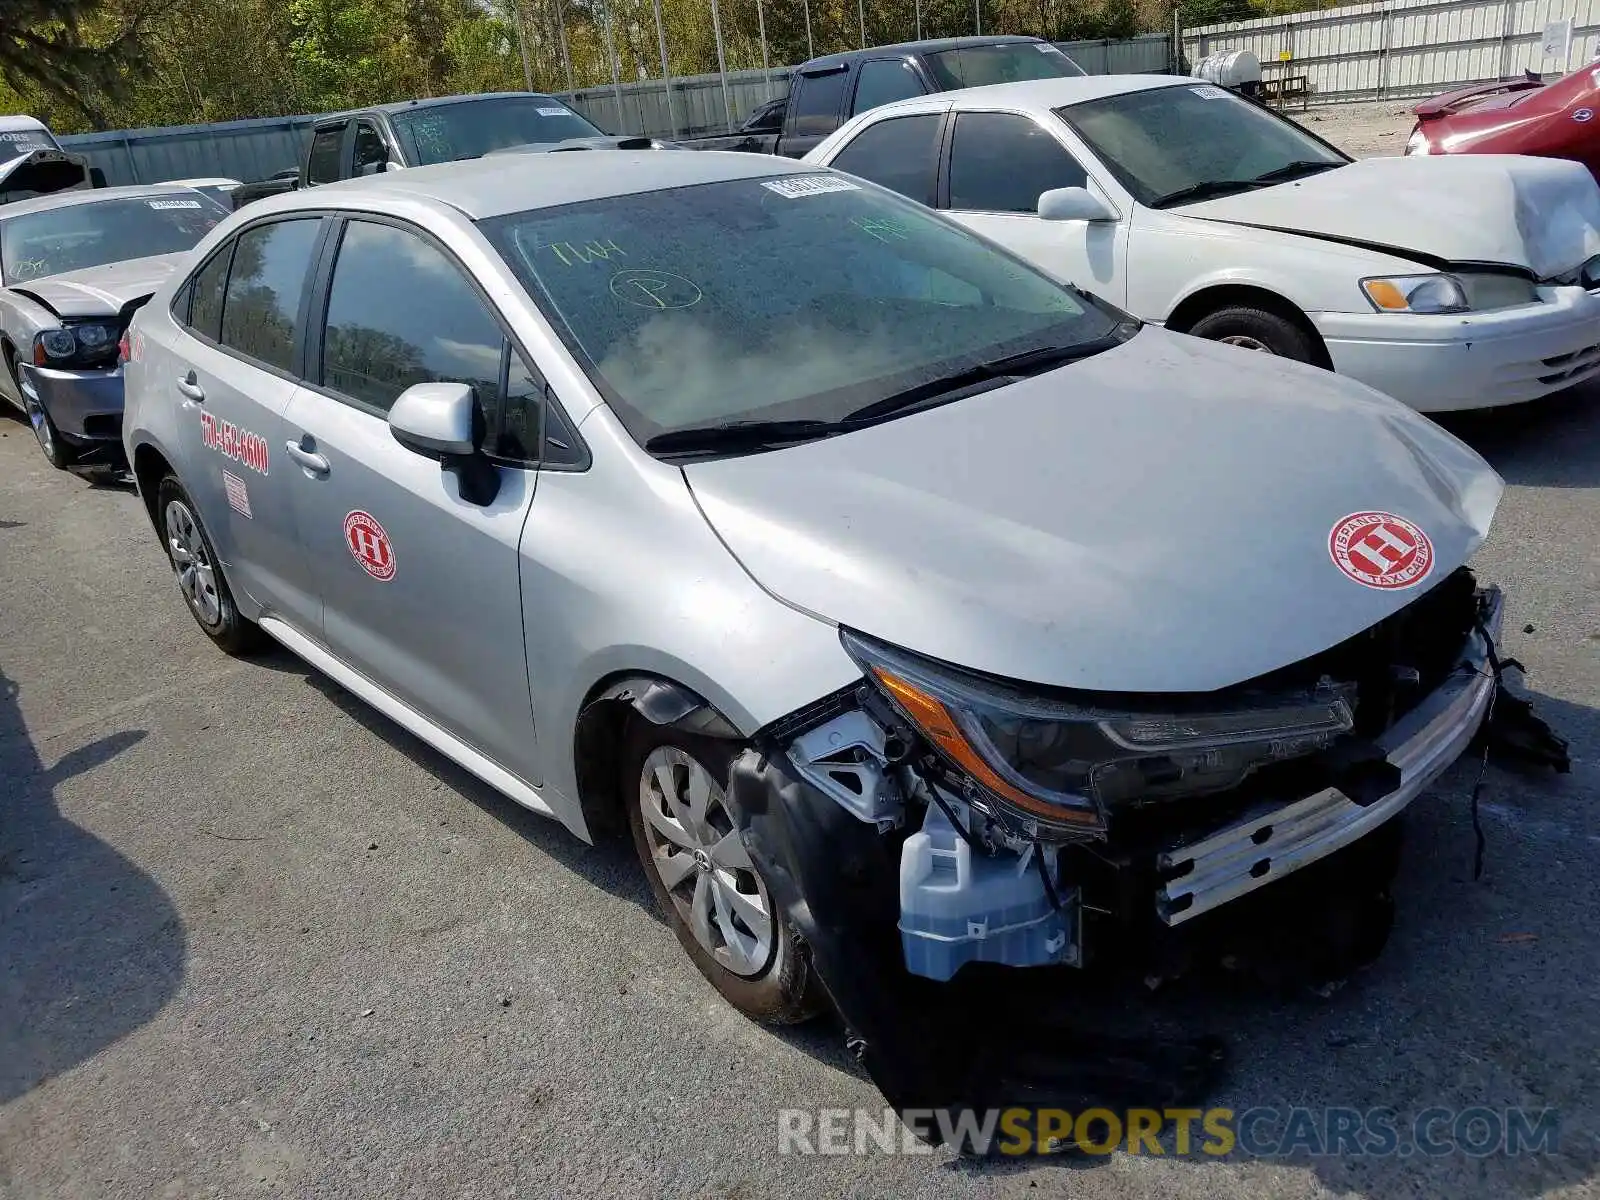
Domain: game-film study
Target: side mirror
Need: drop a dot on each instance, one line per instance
(393, 164)
(437, 419)
(1073, 204)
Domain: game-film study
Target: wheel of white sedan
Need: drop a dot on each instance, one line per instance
(1259, 330)
(704, 881)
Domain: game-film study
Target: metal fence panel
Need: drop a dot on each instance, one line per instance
(1404, 47)
(252, 150)
(247, 150)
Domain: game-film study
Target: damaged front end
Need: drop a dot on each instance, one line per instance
(931, 827)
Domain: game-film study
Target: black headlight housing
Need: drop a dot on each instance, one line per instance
(76, 345)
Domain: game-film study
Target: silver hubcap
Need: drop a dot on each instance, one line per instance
(1245, 342)
(196, 576)
(703, 863)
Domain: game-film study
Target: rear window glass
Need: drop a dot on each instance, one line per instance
(262, 307)
(20, 141)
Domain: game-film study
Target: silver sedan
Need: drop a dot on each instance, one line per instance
(74, 265)
(917, 614)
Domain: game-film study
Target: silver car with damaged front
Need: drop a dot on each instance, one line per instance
(920, 616)
(73, 268)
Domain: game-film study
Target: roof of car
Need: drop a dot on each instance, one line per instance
(507, 183)
(87, 196)
(928, 46)
(400, 106)
(11, 123)
(1041, 93)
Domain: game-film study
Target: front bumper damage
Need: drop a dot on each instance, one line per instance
(85, 405)
(838, 818)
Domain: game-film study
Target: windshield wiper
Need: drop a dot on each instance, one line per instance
(740, 435)
(1298, 169)
(1209, 189)
(995, 370)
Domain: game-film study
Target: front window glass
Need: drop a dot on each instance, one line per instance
(1171, 145)
(1001, 162)
(793, 297)
(75, 237)
(1008, 62)
(471, 128)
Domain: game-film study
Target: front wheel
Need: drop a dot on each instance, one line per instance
(704, 881)
(196, 568)
(57, 452)
(1259, 330)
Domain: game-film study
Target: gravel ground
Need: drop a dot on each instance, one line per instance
(255, 940)
(1377, 130)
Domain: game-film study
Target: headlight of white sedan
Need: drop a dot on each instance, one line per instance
(1468, 291)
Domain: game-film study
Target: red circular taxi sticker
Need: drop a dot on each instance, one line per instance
(1381, 550)
(370, 545)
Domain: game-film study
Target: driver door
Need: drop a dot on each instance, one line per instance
(997, 166)
(421, 589)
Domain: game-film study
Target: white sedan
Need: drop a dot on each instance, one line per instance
(1449, 283)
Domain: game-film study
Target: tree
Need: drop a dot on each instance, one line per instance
(78, 51)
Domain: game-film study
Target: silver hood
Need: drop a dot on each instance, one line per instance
(1155, 518)
(1540, 214)
(101, 291)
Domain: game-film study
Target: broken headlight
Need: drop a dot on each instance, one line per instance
(90, 343)
(1060, 763)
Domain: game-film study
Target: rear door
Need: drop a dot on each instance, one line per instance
(234, 368)
(420, 588)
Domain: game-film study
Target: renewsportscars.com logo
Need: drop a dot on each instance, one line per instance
(1282, 1131)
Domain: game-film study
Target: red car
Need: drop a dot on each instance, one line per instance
(1516, 116)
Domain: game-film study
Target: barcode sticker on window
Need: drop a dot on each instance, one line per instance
(809, 185)
(1207, 92)
(174, 203)
(552, 112)
(1047, 48)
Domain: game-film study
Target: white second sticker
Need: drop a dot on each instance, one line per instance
(238, 494)
(809, 185)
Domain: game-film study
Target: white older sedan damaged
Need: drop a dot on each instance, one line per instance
(1448, 283)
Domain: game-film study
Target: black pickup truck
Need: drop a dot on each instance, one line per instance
(419, 133)
(826, 92)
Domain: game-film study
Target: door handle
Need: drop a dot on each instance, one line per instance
(189, 388)
(309, 459)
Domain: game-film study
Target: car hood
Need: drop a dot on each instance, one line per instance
(1540, 214)
(101, 291)
(1156, 518)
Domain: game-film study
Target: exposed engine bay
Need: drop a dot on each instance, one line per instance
(930, 830)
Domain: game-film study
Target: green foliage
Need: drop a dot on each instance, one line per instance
(82, 64)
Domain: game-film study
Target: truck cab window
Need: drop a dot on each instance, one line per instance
(322, 165)
(371, 154)
(817, 101)
(883, 81)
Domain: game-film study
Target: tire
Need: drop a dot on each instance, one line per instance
(1257, 329)
(769, 980)
(57, 452)
(192, 556)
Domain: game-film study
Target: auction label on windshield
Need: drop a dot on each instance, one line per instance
(1207, 92)
(163, 204)
(552, 112)
(809, 185)
(1381, 550)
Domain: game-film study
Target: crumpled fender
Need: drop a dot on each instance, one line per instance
(989, 1039)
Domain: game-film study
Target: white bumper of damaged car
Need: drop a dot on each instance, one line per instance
(1275, 842)
(1470, 360)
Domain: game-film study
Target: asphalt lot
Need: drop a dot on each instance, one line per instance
(256, 940)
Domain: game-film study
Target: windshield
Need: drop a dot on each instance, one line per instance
(21, 141)
(795, 297)
(76, 236)
(1008, 62)
(1163, 142)
(470, 128)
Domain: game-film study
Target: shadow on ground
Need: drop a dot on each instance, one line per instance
(1554, 442)
(91, 947)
